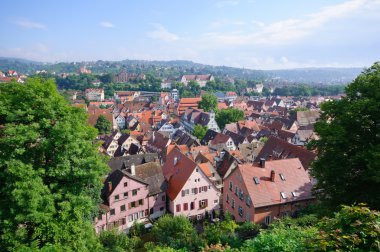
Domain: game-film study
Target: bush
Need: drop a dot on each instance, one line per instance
(247, 230)
(116, 241)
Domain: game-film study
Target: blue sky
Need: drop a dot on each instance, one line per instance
(253, 34)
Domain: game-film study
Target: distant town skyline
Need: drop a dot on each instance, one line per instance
(250, 34)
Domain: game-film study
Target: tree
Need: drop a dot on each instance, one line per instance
(116, 241)
(348, 167)
(353, 228)
(176, 232)
(103, 125)
(209, 102)
(50, 170)
(199, 131)
(229, 115)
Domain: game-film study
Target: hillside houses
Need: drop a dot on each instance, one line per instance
(200, 79)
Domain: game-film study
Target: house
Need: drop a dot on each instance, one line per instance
(12, 73)
(200, 79)
(271, 189)
(210, 134)
(227, 162)
(181, 137)
(230, 96)
(136, 195)
(94, 94)
(221, 142)
(125, 162)
(84, 70)
(95, 112)
(190, 191)
(110, 143)
(166, 84)
(186, 103)
(174, 94)
(124, 77)
(276, 148)
(157, 143)
(305, 118)
(192, 117)
(169, 128)
(120, 120)
(125, 142)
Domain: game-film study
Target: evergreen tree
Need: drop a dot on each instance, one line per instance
(50, 170)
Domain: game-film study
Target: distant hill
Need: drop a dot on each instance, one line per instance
(175, 68)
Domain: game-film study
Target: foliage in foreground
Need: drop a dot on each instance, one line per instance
(50, 171)
(348, 167)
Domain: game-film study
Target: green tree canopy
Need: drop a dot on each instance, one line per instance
(348, 167)
(209, 102)
(176, 232)
(103, 125)
(50, 170)
(229, 115)
(200, 131)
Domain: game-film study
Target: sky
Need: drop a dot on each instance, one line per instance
(255, 34)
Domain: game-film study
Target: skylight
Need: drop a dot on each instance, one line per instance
(257, 180)
(283, 195)
(282, 176)
(294, 194)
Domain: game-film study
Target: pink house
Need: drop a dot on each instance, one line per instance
(137, 195)
(272, 189)
(190, 191)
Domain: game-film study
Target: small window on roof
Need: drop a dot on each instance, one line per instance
(282, 176)
(257, 180)
(294, 194)
(283, 195)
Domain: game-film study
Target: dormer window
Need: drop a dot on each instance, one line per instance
(283, 195)
(282, 176)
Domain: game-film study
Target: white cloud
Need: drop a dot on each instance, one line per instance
(25, 23)
(227, 3)
(107, 24)
(161, 33)
(289, 30)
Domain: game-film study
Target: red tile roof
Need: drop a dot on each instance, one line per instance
(267, 193)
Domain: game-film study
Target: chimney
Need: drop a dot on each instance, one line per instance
(133, 169)
(272, 175)
(109, 186)
(262, 162)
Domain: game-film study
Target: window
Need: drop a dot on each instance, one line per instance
(191, 205)
(241, 194)
(100, 216)
(202, 189)
(133, 204)
(283, 195)
(151, 211)
(185, 206)
(112, 212)
(134, 192)
(116, 197)
(130, 218)
(236, 191)
(123, 221)
(216, 201)
(248, 200)
(282, 176)
(122, 208)
(231, 186)
(125, 184)
(203, 203)
(257, 180)
(199, 217)
(161, 208)
(240, 211)
(197, 170)
(141, 213)
(163, 198)
(178, 208)
(135, 216)
(294, 194)
(141, 202)
(247, 217)
(228, 198)
(125, 195)
(194, 190)
(185, 192)
(233, 203)
(267, 220)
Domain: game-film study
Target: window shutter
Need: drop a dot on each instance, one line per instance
(196, 190)
(200, 204)
(206, 202)
(129, 205)
(205, 188)
(183, 193)
(200, 189)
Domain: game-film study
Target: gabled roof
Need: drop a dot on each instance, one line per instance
(276, 148)
(219, 139)
(238, 139)
(268, 193)
(152, 173)
(177, 170)
(210, 134)
(125, 162)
